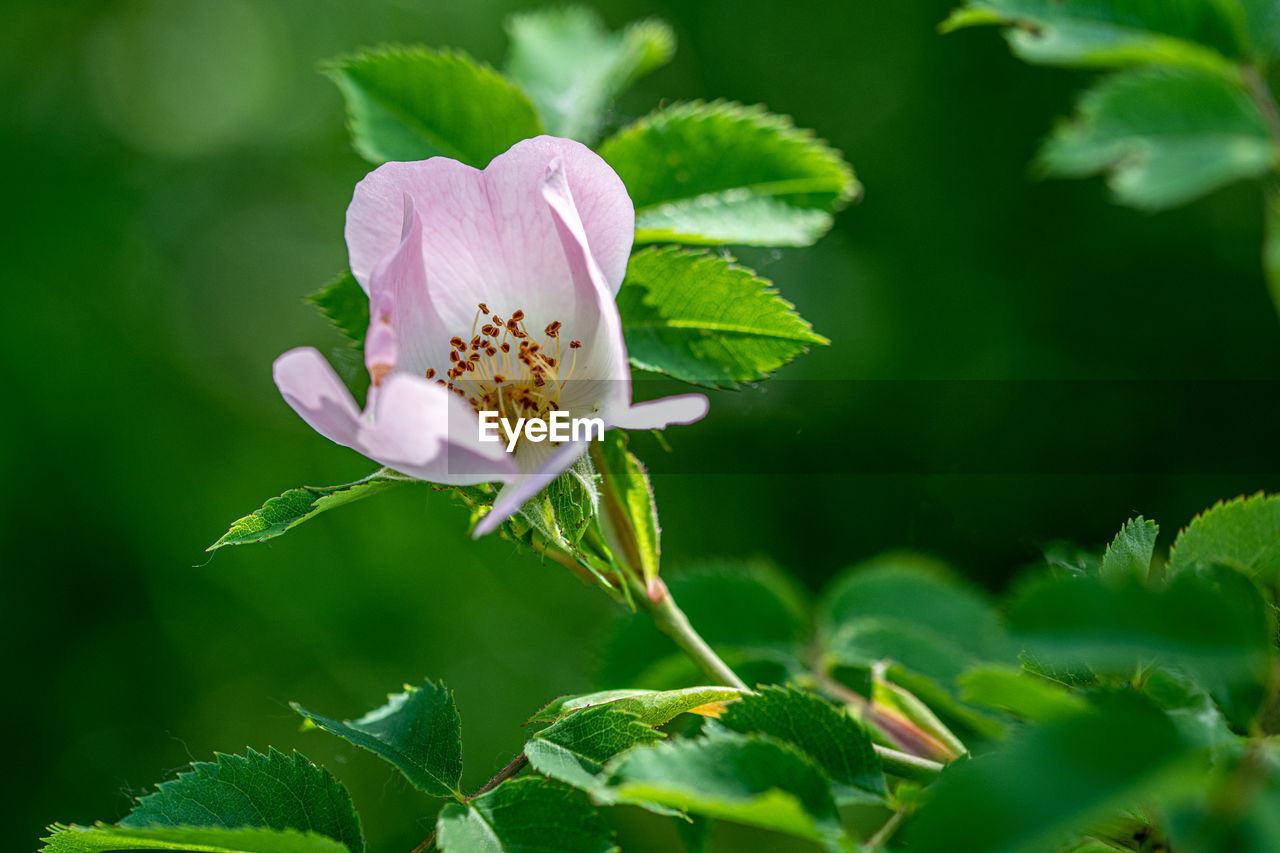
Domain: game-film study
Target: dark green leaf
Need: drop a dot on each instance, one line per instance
(1129, 554)
(747, 779)
(702, 319)
(417, 731)
(346, 305)
(722, 173)
(1165, 136)
(575, 748)
(271, 791)
(528, 815)
(281, 514)
(654, 707)
(825, 733)
(102, 838)
(1110, 32)
(1242, 534)
(411, 103)
(1028, 794)
(572, 67)
(1018, 692)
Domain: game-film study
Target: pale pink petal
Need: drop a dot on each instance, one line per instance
(398, 295)
(661, 413)
(520, 489)
(309, 384)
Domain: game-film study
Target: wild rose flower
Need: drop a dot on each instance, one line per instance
(488, 290)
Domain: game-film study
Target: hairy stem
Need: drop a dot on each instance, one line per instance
(671, 620)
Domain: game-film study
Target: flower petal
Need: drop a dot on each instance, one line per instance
(519, 490)
(661, 413)
(398, 296)
(309, 384)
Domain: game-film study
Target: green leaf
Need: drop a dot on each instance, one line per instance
(1271, 245)
(752, 779)
(751, 613)
(527, 815)
(1166, 136)
(723, 173)
(346, 305)
(572, 67)
(271, 791)
(1129, 554)
(102, 838)
(702, 319)
(1242, 534)
(653, 707)
(1026, 795)
(1110, 32)
(825, 733)
(630, 518)
(281, 514)
(1018, 692)
(417, 731)
(575, 748)
(411, 103)
(1213, 624)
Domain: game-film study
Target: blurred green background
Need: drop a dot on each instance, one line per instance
(178, 175)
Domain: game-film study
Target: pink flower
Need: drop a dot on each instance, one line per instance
(488, 290)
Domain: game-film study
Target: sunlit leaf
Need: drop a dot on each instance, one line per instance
(527, 815)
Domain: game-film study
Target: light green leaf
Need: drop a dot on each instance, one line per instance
(575, 748)
(702, 319)
(825, 733)
(1029, 793)
(630, 517)
(103, 838)
(346, 305)
(281, 514)
(417, 731)
(1018, 692)
(722, 173)
(747, 779)
(1129, 554)
(410, 103)
(1242, 534)
(527, 815)
(1110, 32)
(271, 791)
(572, 67)
(653, 707)
(1165, 136)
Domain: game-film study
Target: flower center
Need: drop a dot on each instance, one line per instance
(503, 368)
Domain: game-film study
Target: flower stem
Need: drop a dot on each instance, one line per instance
(513, 767)
(906, 766)
(670, 619)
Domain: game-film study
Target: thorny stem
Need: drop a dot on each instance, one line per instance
(513, 767)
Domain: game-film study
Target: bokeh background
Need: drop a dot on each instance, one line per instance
(176, 183)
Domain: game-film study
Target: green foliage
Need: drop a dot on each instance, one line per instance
(281, 514)
(103, 838)
(575, 748)
(571, 67)
(748, 779)
(1129, 554)
(722, 173)
(410, 103)
(271, 791)
(346, 305)
(823, 732)
(1019, 692)
(527, 815)
(1243, 534)
(417, 731)
(629, 520)
(1166, 136)
(700, 318)
(653, 707)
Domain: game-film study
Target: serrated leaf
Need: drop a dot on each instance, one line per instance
(417, 731)
(747, 779)
(653, 707)
(1018, 692)
(1129, 554)
(346, 306)
(527, 815)
(1030, 792)
(102, 838)
(825, 733)
(1114, 32)
(723, 173)
(702, 319)
(751, 613)
(271, 790)
(1213, 623)
(281, 514)
(1164, 136)
(629, 519)
(1242, 534)
(411, 103)
(572, 68)
(575, 748)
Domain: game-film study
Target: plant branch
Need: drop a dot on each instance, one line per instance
(906, 766)
(672, 621)
(513, 767)
(883, 834)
